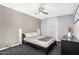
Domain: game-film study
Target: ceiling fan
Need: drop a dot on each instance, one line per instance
(41, 9)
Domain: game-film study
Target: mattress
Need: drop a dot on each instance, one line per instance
(34, 40)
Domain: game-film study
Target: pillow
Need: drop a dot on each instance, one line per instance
(31, 34)
(28, 34)
(35, 34)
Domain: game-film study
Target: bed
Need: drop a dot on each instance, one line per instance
(44, 43)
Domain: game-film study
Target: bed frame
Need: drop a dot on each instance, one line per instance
(46, 50)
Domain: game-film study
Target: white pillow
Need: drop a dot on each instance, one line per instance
(28, 34)
(31, 34)
(35, 34)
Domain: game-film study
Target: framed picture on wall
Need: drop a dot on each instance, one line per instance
(76, 15)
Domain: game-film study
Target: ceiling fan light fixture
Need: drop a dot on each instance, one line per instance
(41, 10)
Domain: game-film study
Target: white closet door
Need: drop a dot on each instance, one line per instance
(49, 27)
(44, 27)
(52, 29)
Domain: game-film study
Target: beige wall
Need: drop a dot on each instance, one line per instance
(11, 21)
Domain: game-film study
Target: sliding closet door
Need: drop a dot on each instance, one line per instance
(52, 27)
(49, 27)
(43, 27)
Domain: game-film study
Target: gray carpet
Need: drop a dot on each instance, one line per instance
(28, 50)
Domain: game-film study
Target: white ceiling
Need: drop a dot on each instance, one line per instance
(53, 9)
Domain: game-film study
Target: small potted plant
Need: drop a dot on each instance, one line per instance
(70, 32)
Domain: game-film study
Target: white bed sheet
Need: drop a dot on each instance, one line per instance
(35, 40)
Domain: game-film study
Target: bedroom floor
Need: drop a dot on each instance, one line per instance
(27, 50)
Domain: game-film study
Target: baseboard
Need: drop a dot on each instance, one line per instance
(15, 45)
(10, 46)
(4, 48)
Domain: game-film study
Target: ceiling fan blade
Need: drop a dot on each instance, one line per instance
(37, 13)
(44, 12)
